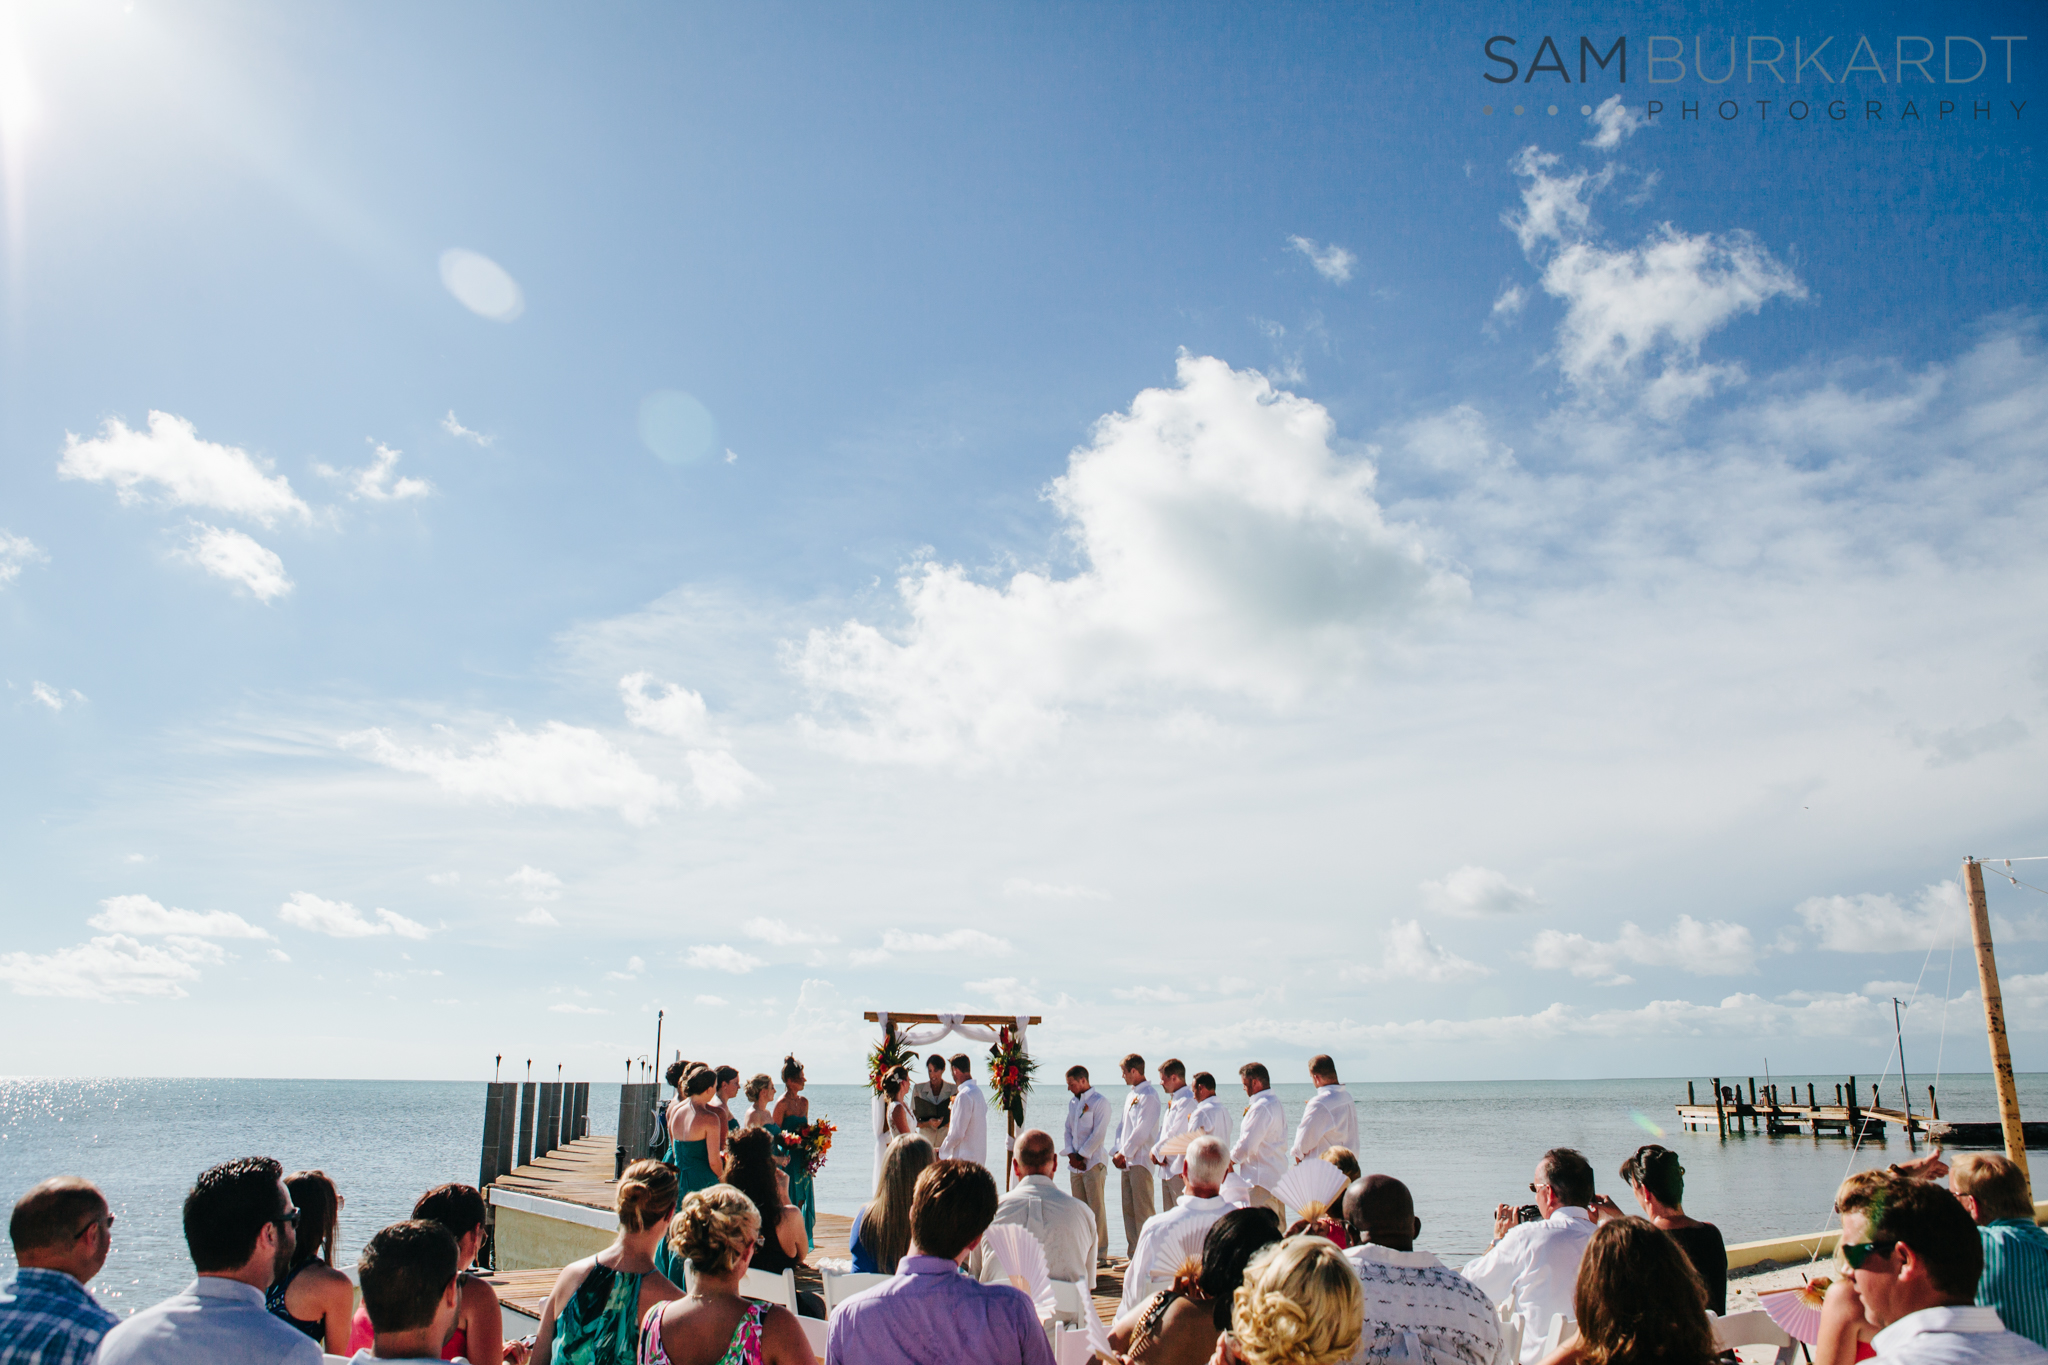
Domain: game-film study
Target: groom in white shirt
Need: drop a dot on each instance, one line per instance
(1331, 1118)
(1180, 1109)
(967, 1137)
(1136, 1137)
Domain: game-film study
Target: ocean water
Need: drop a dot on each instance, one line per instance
(1462, 1147)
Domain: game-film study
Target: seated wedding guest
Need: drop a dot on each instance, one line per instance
(60, 1231)
(479, 1334)
(410, 1290)
(1155, 1259)
(239, 1220)
(1659, 1184)
(1345, 1160)
(783, 1244)
(881, 1228)
(1062, 1224)
(715, 1234)
(1536, 1265)
(1915, 1259)
(1993, 1191)
(312, 1295)
(1181, 1325)
(1638, 1301)
(1410, 1294)
(931, 1314)
(1299, 1305)
(592, 1315)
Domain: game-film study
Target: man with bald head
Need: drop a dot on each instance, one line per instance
(1173, 1235)
(1414, 1303)
(60, 1231)
(1063, 1225)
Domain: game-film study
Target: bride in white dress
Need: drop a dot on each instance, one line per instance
(892, 1116)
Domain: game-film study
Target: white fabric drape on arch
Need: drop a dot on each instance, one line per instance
(921, 1036)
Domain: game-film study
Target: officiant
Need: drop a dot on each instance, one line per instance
(931, 1101)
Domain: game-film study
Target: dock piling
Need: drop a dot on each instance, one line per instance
(1689, 1095)
(528, 1097)
(1933, 1105)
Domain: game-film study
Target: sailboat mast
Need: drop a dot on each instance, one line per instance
(1994, 1021)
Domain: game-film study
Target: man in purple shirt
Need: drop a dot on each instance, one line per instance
(933, 1312)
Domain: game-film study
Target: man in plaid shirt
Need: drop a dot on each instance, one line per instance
(60, 1230)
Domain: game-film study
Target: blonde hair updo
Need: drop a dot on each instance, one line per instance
(716, 1229)
(1300, 1304)
(646, 1195)
(758, 1086)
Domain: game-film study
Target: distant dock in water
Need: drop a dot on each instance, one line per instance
(1775, 1113)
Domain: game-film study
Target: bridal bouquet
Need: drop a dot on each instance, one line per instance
(1010, 1069)
(807, 1145)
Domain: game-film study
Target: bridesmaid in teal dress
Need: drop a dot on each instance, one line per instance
(696, 1148)
(792, 1115)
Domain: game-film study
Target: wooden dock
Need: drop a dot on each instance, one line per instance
(1776, 1113)
(581, 1173)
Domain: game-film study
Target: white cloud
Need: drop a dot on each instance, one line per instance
(143, 916)
(339, 919)
(671, 710)
(566, 1008)
(1473, 892)
(782, 935)
(567, 767)
(715, 1002)
(229, 554)
(377, 481)
(1410, 954)
(1332, 262)
(1151, 995)
(1510, 301)
(16, 552)
(1959, 745)
(952, 941)
(1008, 994)
(280, 955)
(719, 779)
(106, 968)
(539, 915)
(461, 432)
(1716, 948)
(1229, 548)
(535, 885)
(48, 696)
(721, 957)
(481, 285)
(1880, 924)
(1019, 886)
(635, 966)
(187, 471)
(444, 878)
(1635, 318)
(1613, 122)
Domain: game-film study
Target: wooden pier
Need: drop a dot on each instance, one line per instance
(1777, 1111)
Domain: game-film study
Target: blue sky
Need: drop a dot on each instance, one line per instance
(1176, 520)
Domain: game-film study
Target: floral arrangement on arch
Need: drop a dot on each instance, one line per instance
(1010, 1069)
(885, 1057)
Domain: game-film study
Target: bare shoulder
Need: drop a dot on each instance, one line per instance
(784, 1335)
(478, 1293)
(573, 1275)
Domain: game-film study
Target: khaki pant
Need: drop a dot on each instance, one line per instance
(1262, 1198)
(1171, 1189)
(1137, 1192)
(1087, 1186)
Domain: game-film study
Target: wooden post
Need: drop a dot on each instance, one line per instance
(1720, 1110)
(1855, 1120)
(494, 1122)
(528, 1095)
(1994, 1021)
(1933, 1105)
(1810, 1104)
(1690, 1102)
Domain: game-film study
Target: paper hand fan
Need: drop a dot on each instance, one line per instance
(1177, 1146)
(1022, 1260)
(1797, 1310)
(1312, 1182)
(1236, 1190)
(1184, 1245)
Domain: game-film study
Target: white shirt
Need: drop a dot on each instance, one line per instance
(1212, 1118)
(1417, 1306)
(1087, 1128)
(1180, 1108)
(967, 1137)
(213, 1319)
(1063, 1225)
(1258, 1152)
(1162, 1230)
(1537, 1266)
(1139, 1131)
(1331, 1120)
(1952, 1336)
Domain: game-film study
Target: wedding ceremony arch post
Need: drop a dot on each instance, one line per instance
(909, 1032)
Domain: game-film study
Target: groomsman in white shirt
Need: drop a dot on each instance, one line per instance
(1259, 1154)
(1136, 1136)
(1087, 1136)
(967, 1138)
(1210, 1116)
(1180, 1110)
(1331, 1119)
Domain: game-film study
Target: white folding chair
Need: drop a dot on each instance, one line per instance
(1069, 1298)
(1563, 1329)
(841, 1286)
(1511, 1338)
(1753, 1328)
(758, 1284)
